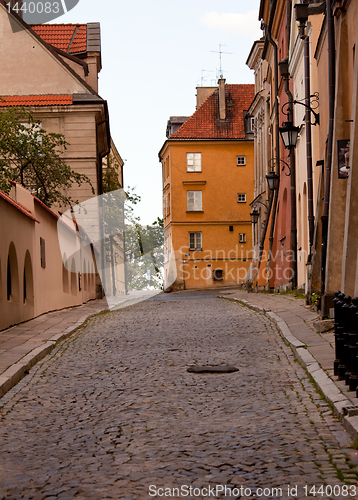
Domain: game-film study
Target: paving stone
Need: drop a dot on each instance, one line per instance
(113, 409)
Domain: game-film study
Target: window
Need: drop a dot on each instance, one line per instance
(218, 275)
(193, 162)
(42, 253)
(166, 204)
(242, 238)
(240, 160)
(231, 228)
(194, 201)
(241, 197)
(195, 241)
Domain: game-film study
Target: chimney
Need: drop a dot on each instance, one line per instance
(222, 110)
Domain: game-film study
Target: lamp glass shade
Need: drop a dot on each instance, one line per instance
(254, 216)
(273, 181)
(289, 134)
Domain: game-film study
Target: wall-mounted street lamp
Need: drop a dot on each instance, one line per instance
(273, 181)
(289, 134)
(254, 216)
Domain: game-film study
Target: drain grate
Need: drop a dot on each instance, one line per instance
(213, 369)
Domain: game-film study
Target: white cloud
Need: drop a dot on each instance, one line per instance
(246, 24)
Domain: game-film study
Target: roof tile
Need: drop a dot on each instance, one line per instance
(205, 122)
(36, 100)
(60, 36)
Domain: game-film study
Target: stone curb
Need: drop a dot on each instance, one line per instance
(10, 377)
(329, 389)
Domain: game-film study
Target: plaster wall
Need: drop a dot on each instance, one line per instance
(220, 181)
(24, 61)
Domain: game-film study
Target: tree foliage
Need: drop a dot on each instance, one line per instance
(33, 157)
(144, 248)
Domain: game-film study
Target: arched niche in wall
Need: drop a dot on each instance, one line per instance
(85, 276)
(12, 278)
(28, 281)
(65, 279)
(305, 221)
(74, 277)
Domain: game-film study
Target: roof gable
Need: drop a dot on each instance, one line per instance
(26, 60)
(205, 122)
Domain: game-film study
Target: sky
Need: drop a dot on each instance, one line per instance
(154, 55)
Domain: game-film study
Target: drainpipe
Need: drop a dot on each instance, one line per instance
(273, 196)
(277, 145)
(286, 78)
(327, 186)
(306, 56)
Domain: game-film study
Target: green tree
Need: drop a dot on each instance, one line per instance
(33, 157)
(111, 174)
(144, 248)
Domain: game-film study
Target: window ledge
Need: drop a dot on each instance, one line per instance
(195, 211)
(198, 183)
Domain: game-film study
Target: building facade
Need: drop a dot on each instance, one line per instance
(208, 180)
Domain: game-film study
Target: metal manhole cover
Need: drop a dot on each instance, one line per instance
(213, 369)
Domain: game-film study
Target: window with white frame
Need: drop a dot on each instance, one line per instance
(242, 237)
(193, 162)
(195, 240)
(241, 197)
(194, 201)
(240, 161)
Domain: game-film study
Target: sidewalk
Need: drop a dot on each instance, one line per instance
(313, 349)
(23, 345)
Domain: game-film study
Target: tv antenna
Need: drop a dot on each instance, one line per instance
(204, 77)
(220, 52)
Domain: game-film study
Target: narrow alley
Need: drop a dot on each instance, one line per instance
(113, 413)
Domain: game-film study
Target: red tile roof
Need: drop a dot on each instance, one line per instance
(17, 205)
(36, 100)
(205, 122)
(60, 36)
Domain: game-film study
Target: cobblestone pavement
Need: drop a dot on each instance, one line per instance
(113, 410)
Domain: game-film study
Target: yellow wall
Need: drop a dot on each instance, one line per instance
(220, 181)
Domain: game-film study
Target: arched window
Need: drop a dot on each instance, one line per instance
(28, 282)
(13, 286)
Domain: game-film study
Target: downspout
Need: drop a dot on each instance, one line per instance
(306, 56)
(286, 79)
(272, 196)
(277, 141)
(327, 186)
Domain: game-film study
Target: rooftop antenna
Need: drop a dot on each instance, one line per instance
(203, 77)
(221, 52)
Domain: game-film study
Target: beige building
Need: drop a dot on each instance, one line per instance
(53, 70)
(33, 276)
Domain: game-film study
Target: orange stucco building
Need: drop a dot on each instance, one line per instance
(208, 182)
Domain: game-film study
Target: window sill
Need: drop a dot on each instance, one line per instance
(195, 211)
(195, 250)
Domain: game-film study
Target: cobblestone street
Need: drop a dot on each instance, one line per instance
(112, 411)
